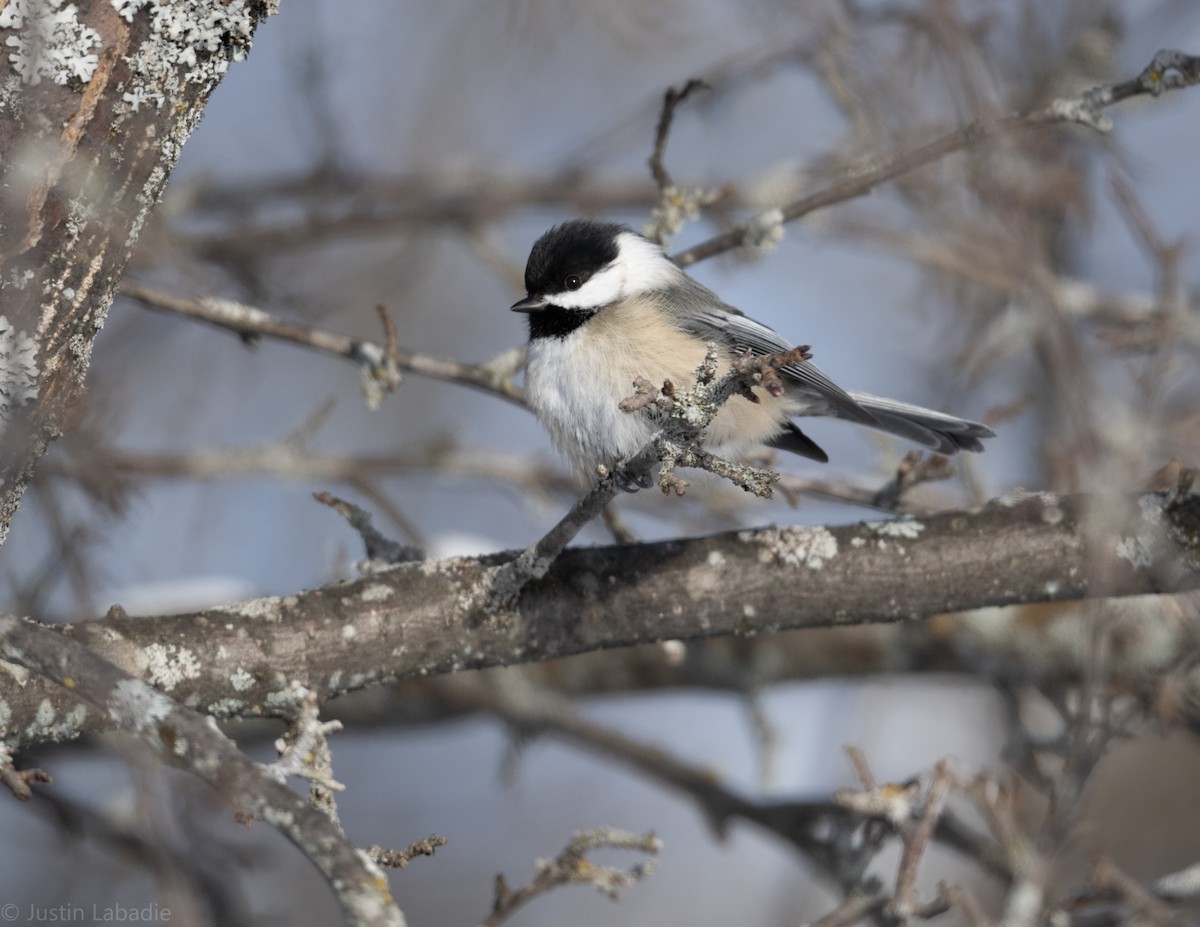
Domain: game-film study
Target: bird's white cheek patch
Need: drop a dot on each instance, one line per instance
(642, 266)
(600, 290)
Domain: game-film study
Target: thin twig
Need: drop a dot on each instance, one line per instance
(304, 749)
(247, 320)
(17, 780)
(671, 100)
(915, 468)
(1108, 877)
(398, 859)
(916, 841)
(855, 907)
(571, 867)
(380, 548)
(1169, 70)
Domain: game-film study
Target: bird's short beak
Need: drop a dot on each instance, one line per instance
(529, 304)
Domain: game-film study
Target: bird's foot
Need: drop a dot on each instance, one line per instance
(630, 479)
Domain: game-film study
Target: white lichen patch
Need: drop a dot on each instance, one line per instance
(1135, 550)
(376, 592)
(448, 567)
(18, 370)
(1020, 496)
(134, 705)
(362, 680)
(1152, 508)
(236, 313)
(807, 547)
(110, 634)
(702, 582)
(19, 674)
(268, 608)
(897, 528)
(1052, 514)
(284, 701)
(349, 632)
(765, 230)
(166, 665)
(280, 819)
(190, 40)
(22, 278)
(45, 714)
(226, 707)
(80, 347)
(47, 725)
(254, 609)
(48, 42)
(241, 680)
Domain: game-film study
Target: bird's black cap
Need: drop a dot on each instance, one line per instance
(581, 246)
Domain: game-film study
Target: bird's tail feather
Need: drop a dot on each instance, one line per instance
(943, 433)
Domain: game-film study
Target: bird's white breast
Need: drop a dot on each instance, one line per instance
(575, 384)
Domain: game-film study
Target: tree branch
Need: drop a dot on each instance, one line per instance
(572, 867)
(92, 126)
(1169, 70)
(187, 738)
(421, 619)
(373, 357)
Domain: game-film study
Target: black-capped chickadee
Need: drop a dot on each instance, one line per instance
(606, 305)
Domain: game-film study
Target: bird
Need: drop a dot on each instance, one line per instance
(606, 305)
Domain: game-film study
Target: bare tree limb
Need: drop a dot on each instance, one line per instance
(92, 126)
(372, 356)
(189, 739)
(671, 100)
(422, 619)
(379, 547)
(571, 867)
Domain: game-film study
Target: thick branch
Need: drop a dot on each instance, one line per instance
(93, 123)
(186, 738)
(422, 619)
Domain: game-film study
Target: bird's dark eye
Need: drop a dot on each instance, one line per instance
(573, 282)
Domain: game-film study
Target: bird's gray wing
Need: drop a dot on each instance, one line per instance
(713, 320)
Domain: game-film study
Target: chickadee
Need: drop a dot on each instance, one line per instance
(606, 305)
